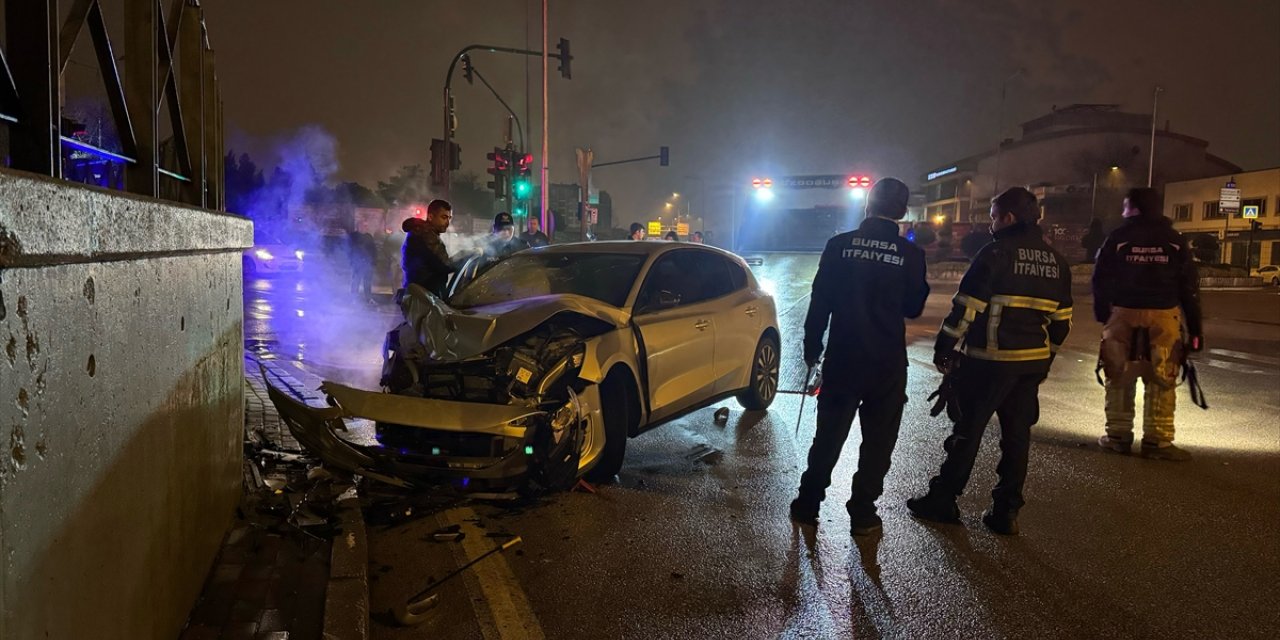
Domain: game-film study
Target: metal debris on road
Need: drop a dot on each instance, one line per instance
(414, 610)
(722, 415)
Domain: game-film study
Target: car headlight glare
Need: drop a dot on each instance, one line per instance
(298, 254)
(263, 254)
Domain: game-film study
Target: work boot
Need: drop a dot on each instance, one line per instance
(1002, 522)
(935, 507)
(804, 512)
(1166, 452)
(1115, 445)
(863, 520)
(865, 524)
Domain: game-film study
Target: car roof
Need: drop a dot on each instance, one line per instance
(631, 247)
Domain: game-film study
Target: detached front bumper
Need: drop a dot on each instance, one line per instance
(425, 440)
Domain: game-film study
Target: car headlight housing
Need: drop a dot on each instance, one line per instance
(263, 254)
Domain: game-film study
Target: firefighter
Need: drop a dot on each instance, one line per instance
(868, 281)
(1012, 313)
(1144, 286)
(424, 257)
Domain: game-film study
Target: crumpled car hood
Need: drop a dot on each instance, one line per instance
(455, 334)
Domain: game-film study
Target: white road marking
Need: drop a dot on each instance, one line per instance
(1251, 357)
(501, 606)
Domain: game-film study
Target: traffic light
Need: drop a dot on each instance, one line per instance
(501, 164)
(1254, 225)
(664, 156)
(467, 71)
(565, 58)
(438, 162)
(522, 185)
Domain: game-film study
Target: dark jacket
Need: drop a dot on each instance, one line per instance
(1014, 303)
(538, 239)
(1146, 264)
(868, 281)
(426, 261)
(498, 249)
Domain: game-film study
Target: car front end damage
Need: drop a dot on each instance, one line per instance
(487, 400)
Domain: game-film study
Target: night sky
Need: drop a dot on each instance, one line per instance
(742, 87)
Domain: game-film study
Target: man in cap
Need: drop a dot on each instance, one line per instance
(503, 241)
(868, 281)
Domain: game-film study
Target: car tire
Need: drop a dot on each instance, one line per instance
(615, 400)
(762, 388)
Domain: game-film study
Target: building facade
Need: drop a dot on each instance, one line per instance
(1079, 160)
(1195, 208)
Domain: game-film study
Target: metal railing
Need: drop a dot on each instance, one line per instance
(168, 62)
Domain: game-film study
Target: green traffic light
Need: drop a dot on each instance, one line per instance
(522, 188)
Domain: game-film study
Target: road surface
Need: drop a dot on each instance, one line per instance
(693, 541)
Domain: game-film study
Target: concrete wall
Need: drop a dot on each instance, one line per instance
(121, 407)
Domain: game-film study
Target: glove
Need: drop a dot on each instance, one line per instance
(943, 360)
(1195, 344)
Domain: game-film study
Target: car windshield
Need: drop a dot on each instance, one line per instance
(607, 277)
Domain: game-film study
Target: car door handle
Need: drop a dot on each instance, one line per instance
(751, 311)
(701, 325)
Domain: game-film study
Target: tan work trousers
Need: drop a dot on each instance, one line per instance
(1147, 344)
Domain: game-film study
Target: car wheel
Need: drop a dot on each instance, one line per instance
(762, 388)
(615, 398)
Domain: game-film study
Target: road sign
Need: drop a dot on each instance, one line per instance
(682, 229)
(655, 227)
(1229, 200)
(1251, 211)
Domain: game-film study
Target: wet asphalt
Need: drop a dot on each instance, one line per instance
(693, 540)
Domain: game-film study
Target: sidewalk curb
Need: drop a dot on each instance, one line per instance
(346, 602)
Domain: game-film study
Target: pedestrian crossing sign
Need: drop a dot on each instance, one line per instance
(1249, 211)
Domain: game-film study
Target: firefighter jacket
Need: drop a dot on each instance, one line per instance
(868, 281)
(1146, 264)
(426, 261)
(1014, 303)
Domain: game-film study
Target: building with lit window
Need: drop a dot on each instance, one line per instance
(1195, 209)
(1079, 160)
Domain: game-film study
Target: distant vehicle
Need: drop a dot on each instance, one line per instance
(544, 364)
(1270, 274)
(271, 256)
(798, 213)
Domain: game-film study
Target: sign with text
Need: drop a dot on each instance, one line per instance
(655, 228)
(1229, 200)
(682, 229)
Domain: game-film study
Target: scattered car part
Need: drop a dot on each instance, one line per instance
(413, 611)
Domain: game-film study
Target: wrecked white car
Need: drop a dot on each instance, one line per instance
(538, 368)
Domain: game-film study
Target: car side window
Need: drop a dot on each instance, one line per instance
(684, 277)
(737, 274)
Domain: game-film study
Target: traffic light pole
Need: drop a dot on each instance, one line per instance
(448, 93)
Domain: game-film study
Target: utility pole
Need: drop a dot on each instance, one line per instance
(1004, 86)
(543, 196)
(1151, 160)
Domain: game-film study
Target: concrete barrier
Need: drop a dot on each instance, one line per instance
(121, 407)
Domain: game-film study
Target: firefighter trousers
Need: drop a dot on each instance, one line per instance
(984, 389)
(1147, 344)
(880, 414)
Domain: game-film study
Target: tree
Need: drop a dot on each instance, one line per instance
(1204, 246)
(973, 242)
(409, 185)
(1093, 240)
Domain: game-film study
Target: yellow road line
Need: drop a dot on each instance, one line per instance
(501, 606)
